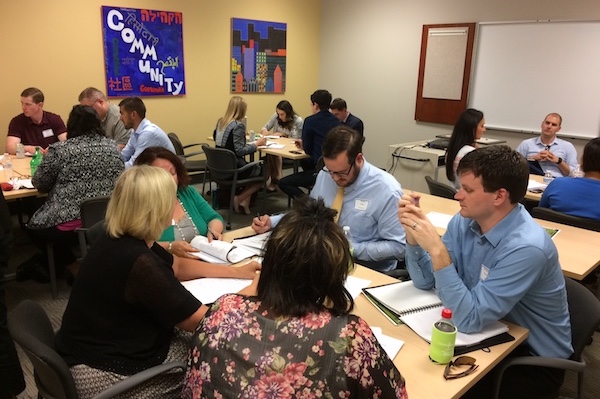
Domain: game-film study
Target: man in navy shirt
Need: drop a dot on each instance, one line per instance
(314, 130)
(339, 109)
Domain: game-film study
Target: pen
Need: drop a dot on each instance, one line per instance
(216, 237)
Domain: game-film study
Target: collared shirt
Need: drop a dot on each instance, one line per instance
(146, 135)
(511, 272)
(561, 148)
(314, 130)
(42, 134)
(370, 209)
(113, 126)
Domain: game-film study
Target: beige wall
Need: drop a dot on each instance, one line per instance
(370, 56)
(57, 47)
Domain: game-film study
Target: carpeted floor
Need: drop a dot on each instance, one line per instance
(273, 203)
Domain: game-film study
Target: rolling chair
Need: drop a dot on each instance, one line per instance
(559, 217)
(30, 327)
(222, 165)
(196, 168)
(439, 189)
(584, 308)
(93, 211)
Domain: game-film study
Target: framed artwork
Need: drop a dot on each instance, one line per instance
(258, 56)
(143, 52)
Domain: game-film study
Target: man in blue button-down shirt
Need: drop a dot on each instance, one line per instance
(495, 262)
(146, 134)
(369, 205)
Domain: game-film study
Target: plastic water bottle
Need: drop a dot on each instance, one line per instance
(348, 235)
(35, 161)
(7, 166)
(443, 339)
(252, 135)
(577, 172)
(20, 151)
(548, 177)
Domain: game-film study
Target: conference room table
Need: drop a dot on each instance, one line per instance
(20, 169)
(578, 249)
(424, 379)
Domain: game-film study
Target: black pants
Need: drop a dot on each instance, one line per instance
(63, 244)
(527, 382)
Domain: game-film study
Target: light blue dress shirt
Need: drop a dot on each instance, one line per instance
(561, 148)
(511, 272)
(146, 135)
(370, 208)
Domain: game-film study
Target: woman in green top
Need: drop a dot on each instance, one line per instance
(192, 215)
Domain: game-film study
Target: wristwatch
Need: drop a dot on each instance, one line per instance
(559, 161)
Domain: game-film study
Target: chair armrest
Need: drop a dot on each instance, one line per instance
(250, 165)
(553, 362)
(137, 379)
(191, 154)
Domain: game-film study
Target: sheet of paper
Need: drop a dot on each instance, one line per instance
(354, 285)
(254, 244)
(390, 345)
(272, 144)
(208, 290)
(533, 185)
(438, 219)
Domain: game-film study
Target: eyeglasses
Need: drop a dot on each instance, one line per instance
(460, 362)
(339, 174)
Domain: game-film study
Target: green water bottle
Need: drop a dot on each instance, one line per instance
(443, 338)
(35, 161)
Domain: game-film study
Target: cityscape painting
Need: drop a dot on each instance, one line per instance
(258, 56)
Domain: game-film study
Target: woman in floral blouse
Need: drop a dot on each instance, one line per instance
(296, 338)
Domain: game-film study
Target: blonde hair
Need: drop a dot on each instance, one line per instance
(141, 204)
(236, 111)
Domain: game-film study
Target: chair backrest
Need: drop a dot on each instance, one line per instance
(93, 210)
(439, 189)
(221, 162)
(584, 308)
(31, 329)
(559, 217)
(176, 143)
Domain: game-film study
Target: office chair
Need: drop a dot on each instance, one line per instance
(222, 165)
(92, 211)
(30, 327)
(559, 217)
(584, 309)
(439, 189)
(195, 167)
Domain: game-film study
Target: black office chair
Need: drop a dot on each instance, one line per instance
(196, 168)
(559, 217)
(222, 165)
(92, 211)
(584, 309)
(30, 327)
(440, 189)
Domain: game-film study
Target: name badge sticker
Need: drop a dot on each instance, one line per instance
(484, 272)
(47, 133)
(361, 205)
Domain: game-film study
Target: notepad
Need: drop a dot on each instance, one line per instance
(218, 251)
(419, 309)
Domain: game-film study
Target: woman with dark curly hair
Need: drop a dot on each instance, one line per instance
(296, 337)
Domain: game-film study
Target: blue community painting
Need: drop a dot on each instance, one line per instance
(143, 52)
(258, 56)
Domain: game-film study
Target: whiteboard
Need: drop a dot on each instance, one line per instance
(526, 70)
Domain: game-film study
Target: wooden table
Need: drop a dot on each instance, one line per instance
(20, 168)
(578, 249)
(534, 196)
(285, 152)
(424, 379)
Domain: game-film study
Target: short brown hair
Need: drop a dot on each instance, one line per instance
(36, 94)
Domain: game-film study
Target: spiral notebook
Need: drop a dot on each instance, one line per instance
(403, 298)
(419, 309)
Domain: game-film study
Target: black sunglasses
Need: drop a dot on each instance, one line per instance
(457, 363)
